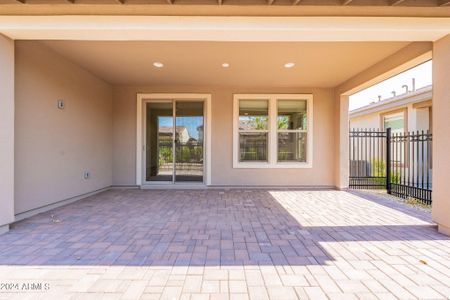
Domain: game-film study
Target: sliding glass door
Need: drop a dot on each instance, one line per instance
(189, 141)
(159, 146)
(174, 133)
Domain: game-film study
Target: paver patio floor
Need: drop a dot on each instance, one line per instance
(227, 244)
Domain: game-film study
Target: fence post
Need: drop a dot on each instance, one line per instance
(388, 160)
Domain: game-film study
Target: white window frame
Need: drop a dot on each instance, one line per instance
(272, 162)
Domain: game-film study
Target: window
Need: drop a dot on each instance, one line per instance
(394, 120)
(253, 130)
(292, 130)
(272, 131)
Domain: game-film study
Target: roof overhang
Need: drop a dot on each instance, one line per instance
(420, 95)
(184, 28)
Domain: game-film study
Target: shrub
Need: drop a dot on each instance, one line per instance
(379, 170)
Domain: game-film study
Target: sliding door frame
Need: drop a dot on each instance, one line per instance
(142, 99)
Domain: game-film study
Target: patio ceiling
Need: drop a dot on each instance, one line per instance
(252, 64)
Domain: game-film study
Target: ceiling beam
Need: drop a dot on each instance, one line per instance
(346, 2)
(396, 2)
(443, 2)
(195, 28)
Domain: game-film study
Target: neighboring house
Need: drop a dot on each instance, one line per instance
(411, 111)
(166, 133)
(79, 79)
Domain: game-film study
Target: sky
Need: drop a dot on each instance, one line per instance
(422, 73)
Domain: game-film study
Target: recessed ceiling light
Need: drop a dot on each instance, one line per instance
(289, 65)
(158, 64)
(226, 65)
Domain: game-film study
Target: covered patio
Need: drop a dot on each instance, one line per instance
(201, 151)
(115, 100)
(229, 244)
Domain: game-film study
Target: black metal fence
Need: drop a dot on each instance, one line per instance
(367, 159)
(401, 163)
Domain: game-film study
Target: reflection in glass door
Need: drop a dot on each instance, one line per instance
(159, 136)
(174, 141)
(189, 141)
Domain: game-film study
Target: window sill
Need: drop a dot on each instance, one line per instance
(286, 165)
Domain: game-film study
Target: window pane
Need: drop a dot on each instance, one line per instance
(252, 146)
(292, 146)
(292, 114)
(253, 114)
(395, 122)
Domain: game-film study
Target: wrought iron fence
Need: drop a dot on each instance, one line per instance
(401, 163)
(411, 165)
(367, 159)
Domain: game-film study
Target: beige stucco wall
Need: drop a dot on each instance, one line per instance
(6, 132)
(441, 134)
(420, 119)
(322, 173)
(54, 147)
(341, 139)
(367, 121)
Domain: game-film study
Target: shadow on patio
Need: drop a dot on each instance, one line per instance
(213, 227)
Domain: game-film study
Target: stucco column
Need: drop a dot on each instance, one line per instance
(6, 133)
(441, 134)
(341, 138)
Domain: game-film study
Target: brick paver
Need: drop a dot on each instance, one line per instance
(227, 244)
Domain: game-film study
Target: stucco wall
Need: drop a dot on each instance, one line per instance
(441, 136)
(367, 121)
(54, 147)
(340, 140)
(322, 173)
(6, 131)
